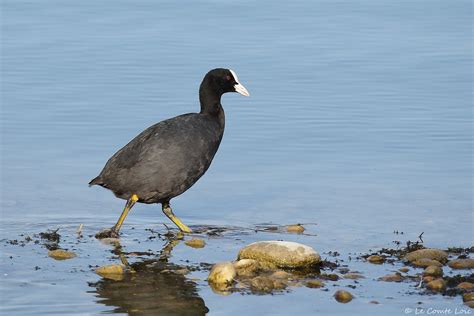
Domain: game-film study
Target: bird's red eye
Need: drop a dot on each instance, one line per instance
(227, 78)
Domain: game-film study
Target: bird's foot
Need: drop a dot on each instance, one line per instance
(107, 233)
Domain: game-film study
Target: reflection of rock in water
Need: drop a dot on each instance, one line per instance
(151, 292)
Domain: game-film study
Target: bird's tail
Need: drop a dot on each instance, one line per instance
(95, 181)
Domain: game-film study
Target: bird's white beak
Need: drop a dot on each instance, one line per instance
(239, 88)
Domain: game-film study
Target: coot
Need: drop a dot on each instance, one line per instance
(167, 158)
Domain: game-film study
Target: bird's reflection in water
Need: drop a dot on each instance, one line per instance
(152, 289)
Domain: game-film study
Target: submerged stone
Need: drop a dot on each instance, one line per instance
(433, 271)
(281, 254)
(353, 276)
(376, 259)
(397, 277)
(112, 271)
(437, 285)
(461, 264)
(429, 253)
(425, 262)
(280, 274)
(298, 228)
(314, 284)
(468, 297)
(195, 243)
(466, 286)
(343, 296)
(246, 267)
(222, 273)
(262, 284)
(60, 254)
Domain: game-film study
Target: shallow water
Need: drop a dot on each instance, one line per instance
(359, 120)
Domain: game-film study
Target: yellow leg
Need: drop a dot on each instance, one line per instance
(169, 213)
(130, 202)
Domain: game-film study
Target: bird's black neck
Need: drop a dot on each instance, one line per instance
(210, 99)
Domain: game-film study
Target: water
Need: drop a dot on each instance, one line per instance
(360, 119)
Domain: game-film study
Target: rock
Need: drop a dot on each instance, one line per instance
(330, 276)
(344, 270)
(376, 259)
(182, 271)
(246, 267)
(428, 279)
(298, 228)
(423, 263)
(469, 303)
(374, 302)
(404, 269)
(468, 297)
(433, 271)
(110, 241)
(437, 285)
(343, 296)
(280, 274)
(466, 286)
(429, 253)
(60, 254)
(112, 271)
(262, 284)
(222, 273)
(313, 284)
(397, 277)
(353, 276)
(279, 285)
(281, 254)
(461, 264)
(195, 243)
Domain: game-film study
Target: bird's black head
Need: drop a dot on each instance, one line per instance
(217, 82)
(225, 80)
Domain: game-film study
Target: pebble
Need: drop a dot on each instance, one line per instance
(437, 285)
(330, 276)
(313, 284)
(222, 273)
(353, 276)
(429, 253)
(195, 243)
(246, 267)
(281, 254)
(298, 228)
(60, 254)
(468, 297)
(112, 271)
(461, 264)
(423, 263)
(429, 278)
(262, 284)
(280, 274)
(376, 259)
(466, 286)
(404, 269)
(343, 296)
(433, 271)
(374, 302)
(397, 277)
(469, 303)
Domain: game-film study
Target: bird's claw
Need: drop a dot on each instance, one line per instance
(107, 233)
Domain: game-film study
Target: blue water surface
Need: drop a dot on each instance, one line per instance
(359, 119)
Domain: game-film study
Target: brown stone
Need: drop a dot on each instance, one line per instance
(437, 285)
(343, 296)
(461, 264)
(429, 253)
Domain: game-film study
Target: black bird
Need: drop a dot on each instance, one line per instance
(167, 158)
